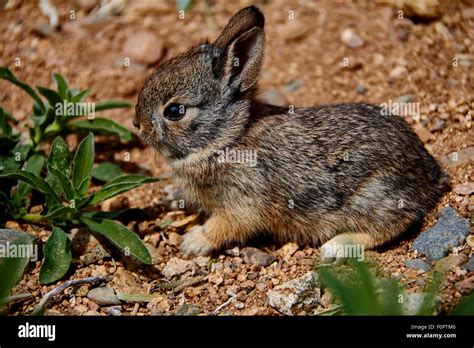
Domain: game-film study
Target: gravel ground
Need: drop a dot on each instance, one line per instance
(333, 52)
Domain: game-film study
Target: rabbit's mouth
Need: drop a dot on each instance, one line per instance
(147, 138)
(170, 152)
(150, 138)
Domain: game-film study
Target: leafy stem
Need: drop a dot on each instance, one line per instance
(64, 178)
(33, 217)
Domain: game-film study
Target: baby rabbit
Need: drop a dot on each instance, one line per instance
(335, 174)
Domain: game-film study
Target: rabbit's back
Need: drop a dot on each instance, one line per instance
(347, 162)
(333, 150)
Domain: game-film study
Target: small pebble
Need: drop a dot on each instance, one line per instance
(143, 47)
(449, 263)
(406, 98)
(361, 89)
(175, 239)
(350, 38)
(103, 296)
(256, 256)
(293, 30)
(418, 264)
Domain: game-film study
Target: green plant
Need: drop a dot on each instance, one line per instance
(65, 187)
(58, 113)
(61, 181)
(465, 307)
(12, 268)
(361, 292)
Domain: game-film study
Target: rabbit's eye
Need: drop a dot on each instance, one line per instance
(174, 112)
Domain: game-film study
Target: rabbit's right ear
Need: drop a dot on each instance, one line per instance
(242, 47)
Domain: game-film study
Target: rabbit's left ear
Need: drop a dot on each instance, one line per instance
(242, 45)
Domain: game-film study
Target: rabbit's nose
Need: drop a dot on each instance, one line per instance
(136, 122)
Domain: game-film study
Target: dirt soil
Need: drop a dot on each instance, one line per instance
(307, 63)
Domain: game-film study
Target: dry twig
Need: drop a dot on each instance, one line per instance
(187, 283)
(226, 303)
(49, 296)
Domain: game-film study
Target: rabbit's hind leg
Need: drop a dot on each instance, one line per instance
(363, 235)
(345, 246)
(381, 211)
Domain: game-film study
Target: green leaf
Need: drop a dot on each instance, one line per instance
(5, 128)
(100, 125)
(119, 185)
(389, 297)
(329, 279)
(16, 157)
(121, 237)
(48, 119)
(59, 211)
(37, 111)
(465, 306)
(57, 257)
(54, 128)
(34, 165)
(12, 268)
(42, 123)
(31, 179)
(80, 96)
(59, 168)
(82, 165)
(61, 86)
(7, 75)
(21, 152)
(82, 188)
(52, 96)
(8, 163)
(111, 104)
(365, 281)
(429, 303)
(60, 157)
(9, 142)
(106, 171)
(64, 184)
(357, 292)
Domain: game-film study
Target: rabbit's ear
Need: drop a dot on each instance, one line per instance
(242, 21)
(242, 47)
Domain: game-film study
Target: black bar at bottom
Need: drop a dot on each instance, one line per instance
(242, 331)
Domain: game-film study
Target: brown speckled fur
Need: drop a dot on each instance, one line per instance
(345, 170)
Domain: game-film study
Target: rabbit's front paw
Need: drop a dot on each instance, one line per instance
(195, 242)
